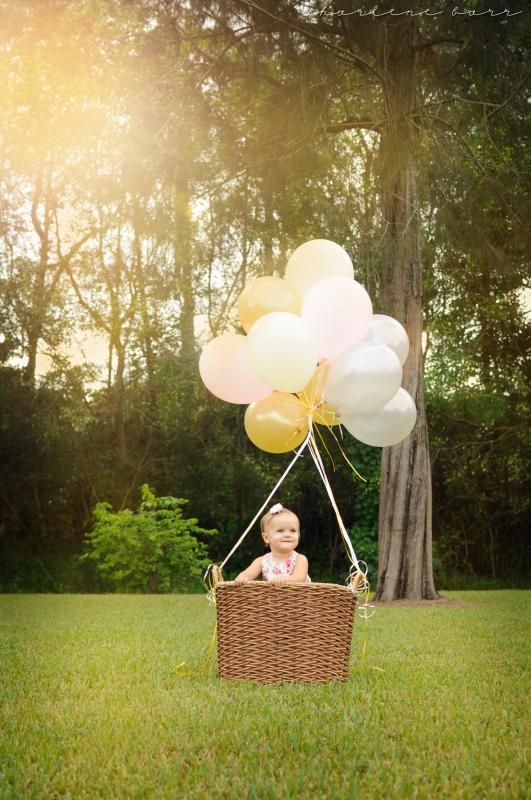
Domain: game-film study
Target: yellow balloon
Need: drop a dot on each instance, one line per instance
(313, 398)
(265, 295)
(277, 424)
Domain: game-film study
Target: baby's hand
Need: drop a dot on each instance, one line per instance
(241, 579)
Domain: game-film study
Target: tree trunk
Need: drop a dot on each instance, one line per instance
(184, 270)
(405, 533)
(119, 400)
(37, 309)
(267, 238)
(33, 337)
(146, 333)
(118, 342)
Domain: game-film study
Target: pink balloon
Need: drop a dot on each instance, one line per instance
(339, 312)
(225, 370)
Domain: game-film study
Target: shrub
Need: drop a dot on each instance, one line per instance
(151, 550)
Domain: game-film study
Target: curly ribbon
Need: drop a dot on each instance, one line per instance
(349, 462)
(208, 581)
(365, 612)
(314, 403)
(179, 668)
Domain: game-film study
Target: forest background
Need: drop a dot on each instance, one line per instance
(156, 156)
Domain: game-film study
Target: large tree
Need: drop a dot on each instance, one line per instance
(211, 139)
(333, 73)
(390, 74)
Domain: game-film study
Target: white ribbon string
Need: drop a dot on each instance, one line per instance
(246, 531)
(322, 472)
(311, 443)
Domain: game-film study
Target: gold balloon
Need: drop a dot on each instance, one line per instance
(265, 295)
(277, 424)
(313, 398)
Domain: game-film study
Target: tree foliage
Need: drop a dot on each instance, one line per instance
(154, 549)
(156, 156)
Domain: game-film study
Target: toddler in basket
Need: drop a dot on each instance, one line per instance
(281, 531)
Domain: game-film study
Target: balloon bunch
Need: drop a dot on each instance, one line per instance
(313, 351)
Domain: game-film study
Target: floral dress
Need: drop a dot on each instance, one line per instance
(272, 569)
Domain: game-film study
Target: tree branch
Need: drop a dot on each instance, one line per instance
(35, 202)
(433, 42)
(92, 312)
(303, 29)
(355, 124)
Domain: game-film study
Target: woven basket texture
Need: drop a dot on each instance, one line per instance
(292, 632)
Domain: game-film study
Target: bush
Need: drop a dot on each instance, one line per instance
(151, 550)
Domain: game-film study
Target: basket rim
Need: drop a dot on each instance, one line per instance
(270, 585)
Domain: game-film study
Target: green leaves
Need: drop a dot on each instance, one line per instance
(151, 550)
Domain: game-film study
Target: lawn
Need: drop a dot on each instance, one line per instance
(90, 706)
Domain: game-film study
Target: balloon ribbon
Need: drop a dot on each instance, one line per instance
(179, 668)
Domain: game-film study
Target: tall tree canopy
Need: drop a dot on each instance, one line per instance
(157, 155)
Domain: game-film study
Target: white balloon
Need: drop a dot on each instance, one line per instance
(363, 378)
(281, 346)
(389, 331)
(338, 311)
(315, 260)
(386, 427)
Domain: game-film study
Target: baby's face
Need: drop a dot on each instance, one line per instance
(282, 532)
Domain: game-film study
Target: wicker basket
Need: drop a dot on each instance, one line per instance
(292, 632)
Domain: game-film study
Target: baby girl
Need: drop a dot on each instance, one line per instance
(281, 531)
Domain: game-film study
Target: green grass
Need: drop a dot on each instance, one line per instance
(90, 707)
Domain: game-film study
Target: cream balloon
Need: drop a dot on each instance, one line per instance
(338, 311)
(363, 378)
(264, 295)
(226, 371)
(383, 428)
(282, 351)
(389, 331)
(315, 260)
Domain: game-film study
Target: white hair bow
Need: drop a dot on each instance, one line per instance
(276, 509)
